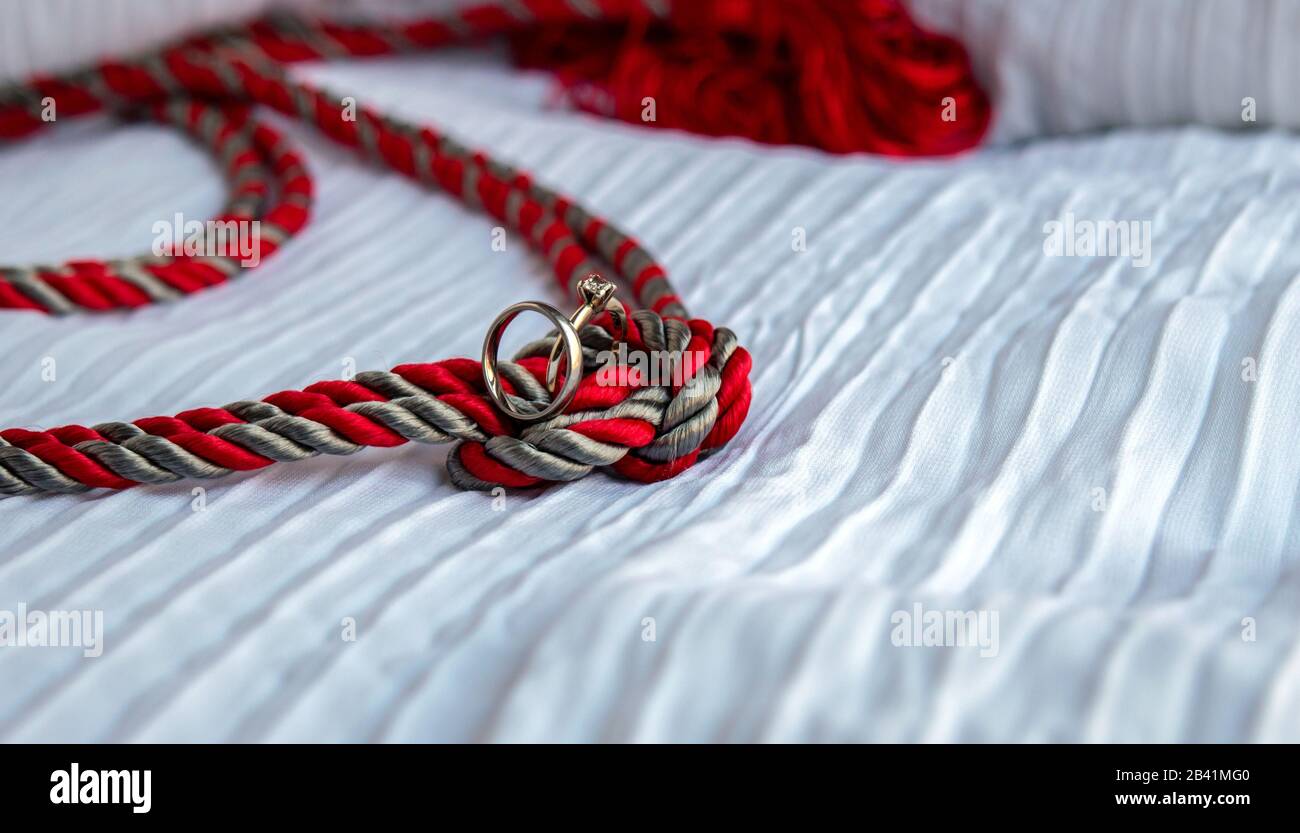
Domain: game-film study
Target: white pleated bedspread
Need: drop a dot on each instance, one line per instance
(865, 481)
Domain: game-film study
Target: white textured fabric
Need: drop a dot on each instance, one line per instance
(866, 480)
(1056, 66)
(45, 36)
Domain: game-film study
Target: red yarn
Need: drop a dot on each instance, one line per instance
(840, 75)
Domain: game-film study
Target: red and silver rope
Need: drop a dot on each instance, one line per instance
(208, 87)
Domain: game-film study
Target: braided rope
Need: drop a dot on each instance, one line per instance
(641, 428)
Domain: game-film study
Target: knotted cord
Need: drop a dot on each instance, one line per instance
(208, 86)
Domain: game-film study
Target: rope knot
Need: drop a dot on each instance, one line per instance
(647, 408)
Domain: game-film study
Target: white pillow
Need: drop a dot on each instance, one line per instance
(1059, 67)
(59, 35)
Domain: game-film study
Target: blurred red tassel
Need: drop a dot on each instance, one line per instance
(840, 75)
